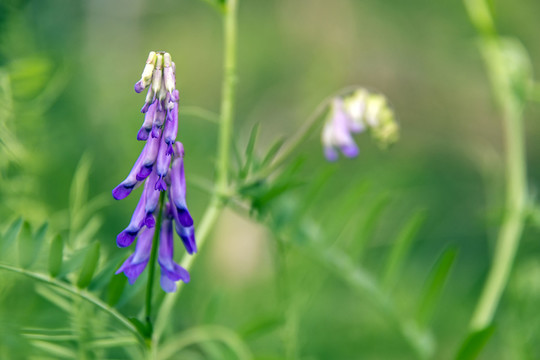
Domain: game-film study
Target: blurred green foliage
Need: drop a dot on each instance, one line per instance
(419, 218)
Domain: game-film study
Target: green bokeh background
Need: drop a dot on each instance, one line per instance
(70, 68)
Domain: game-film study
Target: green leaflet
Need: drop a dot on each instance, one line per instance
(10, 235)
(435, 284)
(56, 254)
(401, 248)
(250, 149)
(89, 266)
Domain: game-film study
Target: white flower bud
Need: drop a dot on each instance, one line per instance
(148, 70)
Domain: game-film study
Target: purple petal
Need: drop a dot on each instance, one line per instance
(350, 150)
(121, 191)
(144, 172)
(125, 238)
(331, 154)
(139, 87)
(163, 160)
(178, 191)
(161, 185)
(142, 135)
(125, 187)
(152, 194)
(149, 221)
(136, 263)
(184, 217)
(171, 126)
(167, 284)
(170, 271)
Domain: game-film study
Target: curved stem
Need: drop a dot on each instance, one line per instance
(303, 133)
(152, 262)
(515, 164)
(83, 294)
(513, 221)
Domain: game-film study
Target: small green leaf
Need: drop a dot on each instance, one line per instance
(89, 266)
(474, 343)
(26, 246)
(250, 148)
(56, 254)
(401, 248)
(435, 283)
(11, 234)
(272, 152)
(116, 288)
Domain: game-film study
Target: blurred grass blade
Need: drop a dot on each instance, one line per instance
(250, 148)
(401, 248)
(78, 194)
(260, 327)
(58, 351)
(367, 229)
(475, 342)
(26, 245)
(272, 151)
(30, 245)
(56, 255)
(85, 235)
(435, 284)
(11, 234)
(116, 341)
(54, 297)
(89, 266)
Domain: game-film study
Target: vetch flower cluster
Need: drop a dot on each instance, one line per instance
(353, 114)
(161, 167)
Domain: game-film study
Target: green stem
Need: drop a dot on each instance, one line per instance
(302, 134)
(228, 95)
(221, 187)
(515, 165)
(83, 294)
(512, 225)
(152, 262)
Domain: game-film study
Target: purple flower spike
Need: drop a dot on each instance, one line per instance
(160, 166)
(136, 263)
(171, 272)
